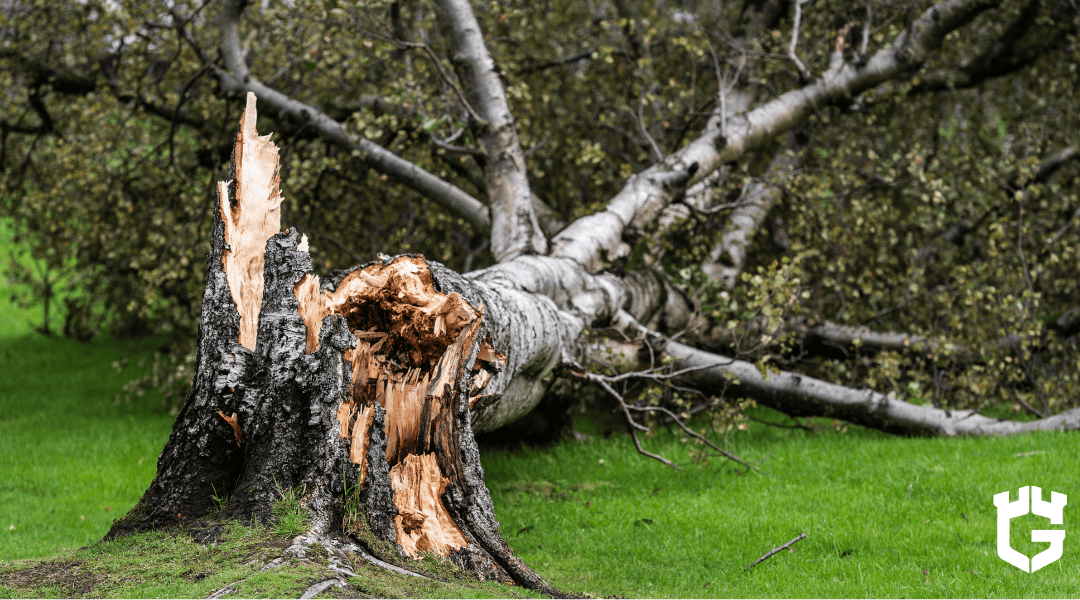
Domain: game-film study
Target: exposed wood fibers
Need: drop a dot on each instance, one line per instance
(249, 222)
(411, 346)
(422, 522)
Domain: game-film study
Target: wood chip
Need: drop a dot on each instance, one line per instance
(239, 435)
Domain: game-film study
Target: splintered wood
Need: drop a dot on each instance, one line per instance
(357, 429)
(412, 344)
(422, 522)
(251, 220)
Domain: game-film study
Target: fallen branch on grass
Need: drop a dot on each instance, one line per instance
(605, 382)
(774, 551)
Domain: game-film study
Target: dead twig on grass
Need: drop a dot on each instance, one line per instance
(774, 551)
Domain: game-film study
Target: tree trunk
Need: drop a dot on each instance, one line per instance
(357, 392)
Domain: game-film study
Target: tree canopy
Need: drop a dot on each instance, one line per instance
(880, 210)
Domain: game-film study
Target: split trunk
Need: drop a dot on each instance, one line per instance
(358, 391)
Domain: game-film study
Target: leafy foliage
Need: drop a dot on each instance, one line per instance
(114, 130)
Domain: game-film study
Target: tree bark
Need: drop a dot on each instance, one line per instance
(597, 237)
(515, 229)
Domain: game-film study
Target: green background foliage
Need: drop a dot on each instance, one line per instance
(114, 131)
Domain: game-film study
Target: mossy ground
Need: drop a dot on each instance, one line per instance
(175, 564)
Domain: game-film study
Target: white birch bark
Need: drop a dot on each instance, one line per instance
(592, 239)
(514, 228)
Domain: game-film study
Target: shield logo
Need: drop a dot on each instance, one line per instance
(1053, 510)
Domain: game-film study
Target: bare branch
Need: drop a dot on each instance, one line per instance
(729, 256)
(799, 395)
(593, 238)
(804, 73)
(235, 77)
(778, 548)
(514, 226)
(689, 431)
(633, 425)
(866, 28)
(434, 58)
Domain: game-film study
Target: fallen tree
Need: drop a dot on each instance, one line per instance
(364, 388)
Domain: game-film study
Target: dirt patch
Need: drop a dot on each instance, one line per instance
(68, 577)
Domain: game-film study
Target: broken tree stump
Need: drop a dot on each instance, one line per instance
(356, 391)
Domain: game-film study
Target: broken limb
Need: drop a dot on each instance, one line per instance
(799, 395)
(774, 551)
(597, 237)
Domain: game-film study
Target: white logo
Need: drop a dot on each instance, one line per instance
(1010, 510)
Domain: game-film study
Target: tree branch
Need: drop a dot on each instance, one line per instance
(593, 238)
(1021, 44)
(804, 73)
(799, 395)
(236, 77)
(514, 226)
(729, 256)
(66, 82)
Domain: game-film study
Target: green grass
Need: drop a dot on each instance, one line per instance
(884, 516)
(292, 520)
(878, 510)
(70, 461)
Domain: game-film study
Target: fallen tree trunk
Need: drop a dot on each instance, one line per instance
(359, 393)
(800, 395)
(362, 392)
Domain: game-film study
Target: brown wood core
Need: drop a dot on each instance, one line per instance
(253, 218)
(412, 345)
(422, 522)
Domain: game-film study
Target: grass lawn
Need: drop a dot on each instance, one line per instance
(70, 461)
(884, 516)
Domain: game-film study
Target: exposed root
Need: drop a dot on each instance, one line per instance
(321, 587)
(339, 557)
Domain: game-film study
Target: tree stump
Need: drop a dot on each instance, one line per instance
(355, 390)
